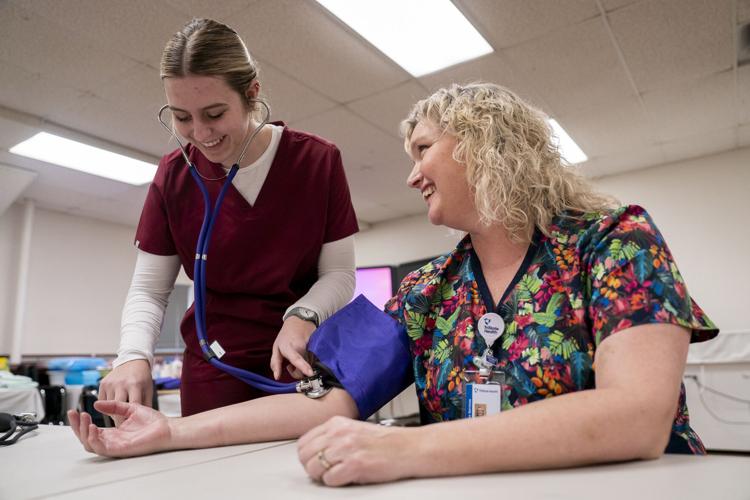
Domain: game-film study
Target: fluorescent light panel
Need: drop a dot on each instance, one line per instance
(84, 158)
(568, 148)
(421, 36)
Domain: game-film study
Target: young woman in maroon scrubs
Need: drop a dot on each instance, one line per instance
(282, 256)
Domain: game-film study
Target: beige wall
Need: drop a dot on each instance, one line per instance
(403, 240)
(79, 273)
(702, 207)
(10, 234)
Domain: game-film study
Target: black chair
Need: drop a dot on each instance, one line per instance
(55, 399)
(89, 395)
(155, 399)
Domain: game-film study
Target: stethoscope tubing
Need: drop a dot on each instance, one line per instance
(199, 275)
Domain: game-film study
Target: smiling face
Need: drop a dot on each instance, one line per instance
(211, 115)
(440, 178)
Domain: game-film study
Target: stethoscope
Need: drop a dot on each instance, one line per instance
(311, 386)
(24, 423)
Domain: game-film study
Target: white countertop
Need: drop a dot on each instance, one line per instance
(54, 465)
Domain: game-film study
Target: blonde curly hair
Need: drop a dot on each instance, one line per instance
(514, 170)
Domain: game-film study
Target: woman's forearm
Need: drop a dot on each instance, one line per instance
(601, 425)
(628, 416)
(272, 418)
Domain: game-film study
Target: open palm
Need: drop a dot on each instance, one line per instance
(142, 431)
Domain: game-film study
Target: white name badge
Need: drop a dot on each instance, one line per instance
(217, 349)
(482, 399)
(491, 326)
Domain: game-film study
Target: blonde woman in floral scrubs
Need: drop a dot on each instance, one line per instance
(596, 318)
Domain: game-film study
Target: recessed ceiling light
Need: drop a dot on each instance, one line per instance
(568, 148)
(421, 36)
(84, 158)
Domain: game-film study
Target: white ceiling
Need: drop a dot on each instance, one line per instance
(635, 83)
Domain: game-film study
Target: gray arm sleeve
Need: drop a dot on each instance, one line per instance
(336, 280)
(153, 280)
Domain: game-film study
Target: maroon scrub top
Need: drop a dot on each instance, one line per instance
(262, 258)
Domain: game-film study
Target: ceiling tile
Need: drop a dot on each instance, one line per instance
(12, 131)
(669, 41)
(363, 146)
(509, 22)
(700, 145)
(611, 5)
(322, 52)
(375, 163)
(32, 93)
(289, 98)
(573, 69)
(63, 188)
(493, 68)
(700, 106)
(220, 11)
(131, 128)
(138, 29)
(617, 127)
(387, 109)
(55, 52)
(139, 91)
(616, 163)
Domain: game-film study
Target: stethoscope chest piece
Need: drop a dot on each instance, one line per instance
(313, 387)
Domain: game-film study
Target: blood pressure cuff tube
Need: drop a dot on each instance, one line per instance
(367, 351)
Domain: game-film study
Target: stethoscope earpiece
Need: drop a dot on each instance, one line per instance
(266, 119)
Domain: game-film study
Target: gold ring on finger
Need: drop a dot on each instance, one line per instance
(322, 459)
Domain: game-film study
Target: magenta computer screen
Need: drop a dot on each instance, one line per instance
(375, 283)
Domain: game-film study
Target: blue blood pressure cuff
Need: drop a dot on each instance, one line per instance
(366, 352)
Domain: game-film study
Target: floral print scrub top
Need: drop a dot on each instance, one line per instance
(594, 276)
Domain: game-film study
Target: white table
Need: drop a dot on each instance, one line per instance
(271, 470)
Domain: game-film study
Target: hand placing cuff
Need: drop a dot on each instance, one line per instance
(291, 345)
